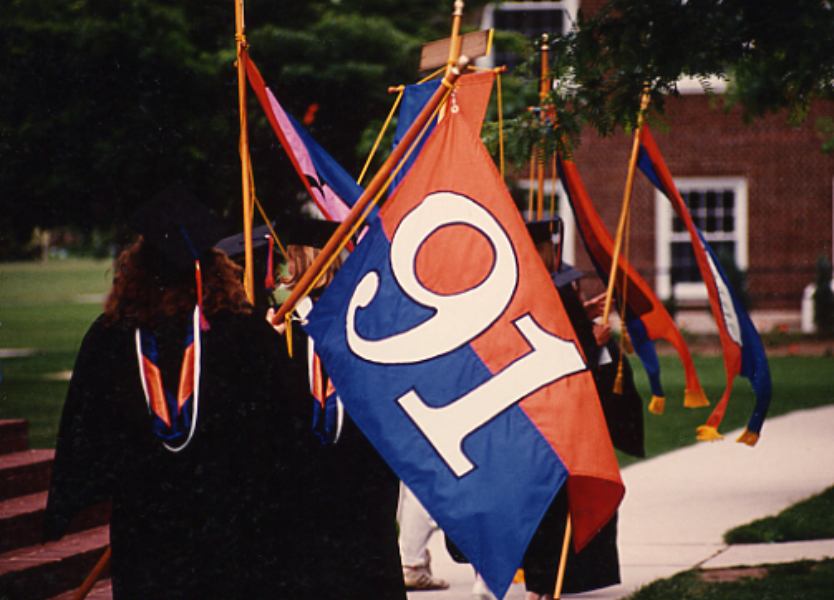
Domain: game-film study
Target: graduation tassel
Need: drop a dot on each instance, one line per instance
(657, 405)
(626, 345)
(288, 330)
(269, 280)
(618, 380)
(198, 276)
(707, 433)
(748, 437)
(694, 399)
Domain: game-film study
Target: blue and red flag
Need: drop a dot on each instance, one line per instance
(743, 350)
(332, 189)
(452, 352)
(645, 316)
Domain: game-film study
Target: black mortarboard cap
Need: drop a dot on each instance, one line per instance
(177, 229)
(233, 245)
(298, 231)
(566, 274)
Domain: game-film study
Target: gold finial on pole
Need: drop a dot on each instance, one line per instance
(243, 148)
(454, 40)
(544, 79)
(632, 165)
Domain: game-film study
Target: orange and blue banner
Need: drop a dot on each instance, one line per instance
(645, 316)
(452, 351)
(742, 347)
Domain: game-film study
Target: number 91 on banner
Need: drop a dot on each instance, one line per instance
(457, 319)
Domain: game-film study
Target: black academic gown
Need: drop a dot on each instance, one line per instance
(597, 566)
(349, 548)
(199, 523)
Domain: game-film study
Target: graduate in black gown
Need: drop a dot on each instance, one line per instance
(344, 529)
(597, 566)
(176, 413)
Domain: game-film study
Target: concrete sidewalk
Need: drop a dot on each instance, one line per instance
(678, 505)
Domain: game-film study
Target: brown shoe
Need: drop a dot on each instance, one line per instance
(420, 578)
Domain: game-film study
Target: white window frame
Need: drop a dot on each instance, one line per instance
(488, 17)
(565, 212)
(664, 234)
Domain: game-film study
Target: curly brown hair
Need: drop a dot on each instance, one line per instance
(140, 297)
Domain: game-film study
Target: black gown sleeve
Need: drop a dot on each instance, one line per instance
(623, 412)
(82, 474)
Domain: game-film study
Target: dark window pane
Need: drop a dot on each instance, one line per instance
(694, 201)
(728, 223)
(711, 223)
(677, 224)
(725, 251)
(530, 23)
(684, 268)
(712, 201)
(729, 200)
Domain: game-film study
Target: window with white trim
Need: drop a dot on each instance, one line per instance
(530, 19)
(718, 206)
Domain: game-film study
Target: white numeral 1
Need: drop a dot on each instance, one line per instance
(446, 427)
(457, 320)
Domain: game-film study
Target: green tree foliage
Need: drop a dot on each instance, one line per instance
(777, 55)
(104, 102)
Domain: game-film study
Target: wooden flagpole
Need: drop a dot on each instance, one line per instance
(629, 185)
(245, 164)
(93, 576)
(454, 43)
(544, 90)
(563, 560)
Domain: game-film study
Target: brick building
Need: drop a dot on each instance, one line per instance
(761, 192)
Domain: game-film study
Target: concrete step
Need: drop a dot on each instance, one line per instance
(25, 472)
(21, 520)
(14, 435)
(102, 590)
(45, 570)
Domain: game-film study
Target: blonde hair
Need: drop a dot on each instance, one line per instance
(299, 259)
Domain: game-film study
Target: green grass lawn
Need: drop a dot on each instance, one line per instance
(804, 580)
(798, 382)
(811, 519)
(46, 307)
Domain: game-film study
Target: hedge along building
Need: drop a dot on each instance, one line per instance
(762, 192)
